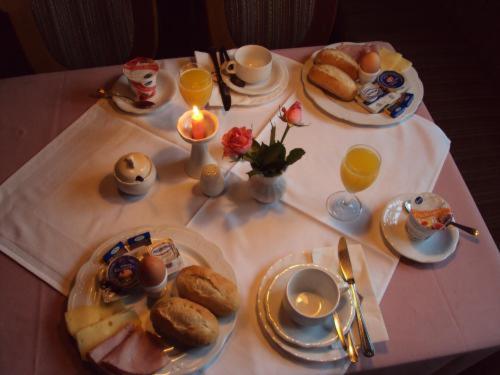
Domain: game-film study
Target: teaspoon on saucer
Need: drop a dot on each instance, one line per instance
(102, 93)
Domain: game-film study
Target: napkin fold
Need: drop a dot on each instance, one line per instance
(328, 258)
(238, 99)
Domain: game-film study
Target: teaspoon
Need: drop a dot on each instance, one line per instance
(102, 93)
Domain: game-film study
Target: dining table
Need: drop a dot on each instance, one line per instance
(440, 317)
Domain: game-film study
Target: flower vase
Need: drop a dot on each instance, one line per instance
(267, 189)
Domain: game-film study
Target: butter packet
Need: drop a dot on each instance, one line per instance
(169, 253)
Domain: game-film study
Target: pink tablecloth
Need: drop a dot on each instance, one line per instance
(439, 317)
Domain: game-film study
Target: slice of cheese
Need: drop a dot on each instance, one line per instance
(84, 316)
(91, 336)
(402, 65)
(389, 59)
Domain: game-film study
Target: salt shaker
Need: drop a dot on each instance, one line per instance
(211, 180)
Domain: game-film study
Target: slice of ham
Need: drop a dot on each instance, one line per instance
(139, 354)
(108, 345)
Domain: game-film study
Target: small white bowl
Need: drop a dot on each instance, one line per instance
(365, 77)
(312, 295)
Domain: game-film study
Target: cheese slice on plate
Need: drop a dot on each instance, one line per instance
(402, 65)
(83, 316)
(91, 336)
(389, 59)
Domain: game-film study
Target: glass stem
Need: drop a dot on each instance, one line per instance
(346, 201)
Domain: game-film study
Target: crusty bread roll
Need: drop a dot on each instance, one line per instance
(185, 321)
(338, 59)
(333, 80)
(209, 289)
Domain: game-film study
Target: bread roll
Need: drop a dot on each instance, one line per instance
(185, 321)
(209, 289)
(333, 80)
(338, 59)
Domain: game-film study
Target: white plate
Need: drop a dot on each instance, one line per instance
(353, 112)
(261, 88)
(324, 354)
(165, 90)
(194, 249)
(434, 249)
(307, 337)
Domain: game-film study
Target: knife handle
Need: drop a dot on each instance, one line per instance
(366, 343)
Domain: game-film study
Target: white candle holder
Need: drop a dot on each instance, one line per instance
(199, 147)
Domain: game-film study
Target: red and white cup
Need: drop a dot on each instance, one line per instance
(141, 73)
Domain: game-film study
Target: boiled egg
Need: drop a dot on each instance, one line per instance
(370, 62)
(151, 271)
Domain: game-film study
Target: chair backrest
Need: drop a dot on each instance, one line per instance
(271, 23)
(64, 34)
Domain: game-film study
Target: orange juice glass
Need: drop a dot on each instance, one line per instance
(195, 85)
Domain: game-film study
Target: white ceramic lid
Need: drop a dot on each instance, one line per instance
(133, 167)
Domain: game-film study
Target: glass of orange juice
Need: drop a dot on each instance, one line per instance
(195, 85)
(358, 171)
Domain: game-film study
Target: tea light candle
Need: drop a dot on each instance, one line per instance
(197, 124)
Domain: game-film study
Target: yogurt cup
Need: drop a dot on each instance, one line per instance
(429, 214)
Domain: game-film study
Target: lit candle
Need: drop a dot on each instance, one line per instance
(197, 124)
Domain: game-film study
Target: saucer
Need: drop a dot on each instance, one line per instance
(278, 74)
(434, 249)
(312, 336)
(165, 90)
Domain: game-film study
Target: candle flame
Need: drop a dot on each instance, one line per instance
(197, 114)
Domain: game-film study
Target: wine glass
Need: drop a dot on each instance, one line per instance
(359, 169)
(195, 85)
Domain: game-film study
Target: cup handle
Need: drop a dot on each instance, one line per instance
(229, 67)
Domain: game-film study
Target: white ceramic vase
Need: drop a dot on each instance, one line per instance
(267, 189)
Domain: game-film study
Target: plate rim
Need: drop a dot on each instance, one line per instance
(312, 91)
(454, 233)
(215, 250)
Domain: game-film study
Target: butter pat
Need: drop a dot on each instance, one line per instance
(84, 316)
(91, 336)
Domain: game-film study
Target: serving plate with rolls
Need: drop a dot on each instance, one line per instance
(334, 80)
(190, 321)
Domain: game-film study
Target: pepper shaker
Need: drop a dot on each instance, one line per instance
(211, 180)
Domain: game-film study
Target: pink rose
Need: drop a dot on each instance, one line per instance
(292, 115)
(237, 141)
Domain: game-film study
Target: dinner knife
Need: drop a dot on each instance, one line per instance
(224, 90)
(347, 275)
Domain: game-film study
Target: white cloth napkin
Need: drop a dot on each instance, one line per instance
(239, 99)
(412, 157)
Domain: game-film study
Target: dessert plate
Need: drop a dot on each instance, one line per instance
(434, 249)
(165, 90)
(307, 337)
(194, 249)
(279, 73)
(333, 352)
(353, 112)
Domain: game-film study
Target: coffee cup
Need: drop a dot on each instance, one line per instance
(251, 63)
(312, 295)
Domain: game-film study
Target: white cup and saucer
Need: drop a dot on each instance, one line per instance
(300, 303)
(255, 66)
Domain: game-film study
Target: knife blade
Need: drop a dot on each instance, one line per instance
(224, 90)
(347, 275)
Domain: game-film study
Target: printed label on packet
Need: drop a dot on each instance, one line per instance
(142, 239)
(117, 250)
(169, 253)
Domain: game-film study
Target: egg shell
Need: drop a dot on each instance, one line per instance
(370, 62)
(151, 271)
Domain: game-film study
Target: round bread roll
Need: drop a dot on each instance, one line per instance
(338, 59)
(334, 81)
(209, 289)
(185, 321)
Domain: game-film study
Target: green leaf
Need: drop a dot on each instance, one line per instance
(273, 134)
(273, 153)
(253, 172)
(294, 156)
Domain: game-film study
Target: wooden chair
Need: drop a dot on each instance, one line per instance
(272, 23)
(57, 35)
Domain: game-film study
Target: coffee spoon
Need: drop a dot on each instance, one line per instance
(102, 93)
(465, 228)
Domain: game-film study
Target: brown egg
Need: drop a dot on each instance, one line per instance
(370, 62)
(151, 271)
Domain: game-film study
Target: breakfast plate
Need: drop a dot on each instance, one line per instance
(353, 112)
(194, 249)
(434, 249)
(279, 74)
(165, 90)
(330, 353)
(316, 336)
